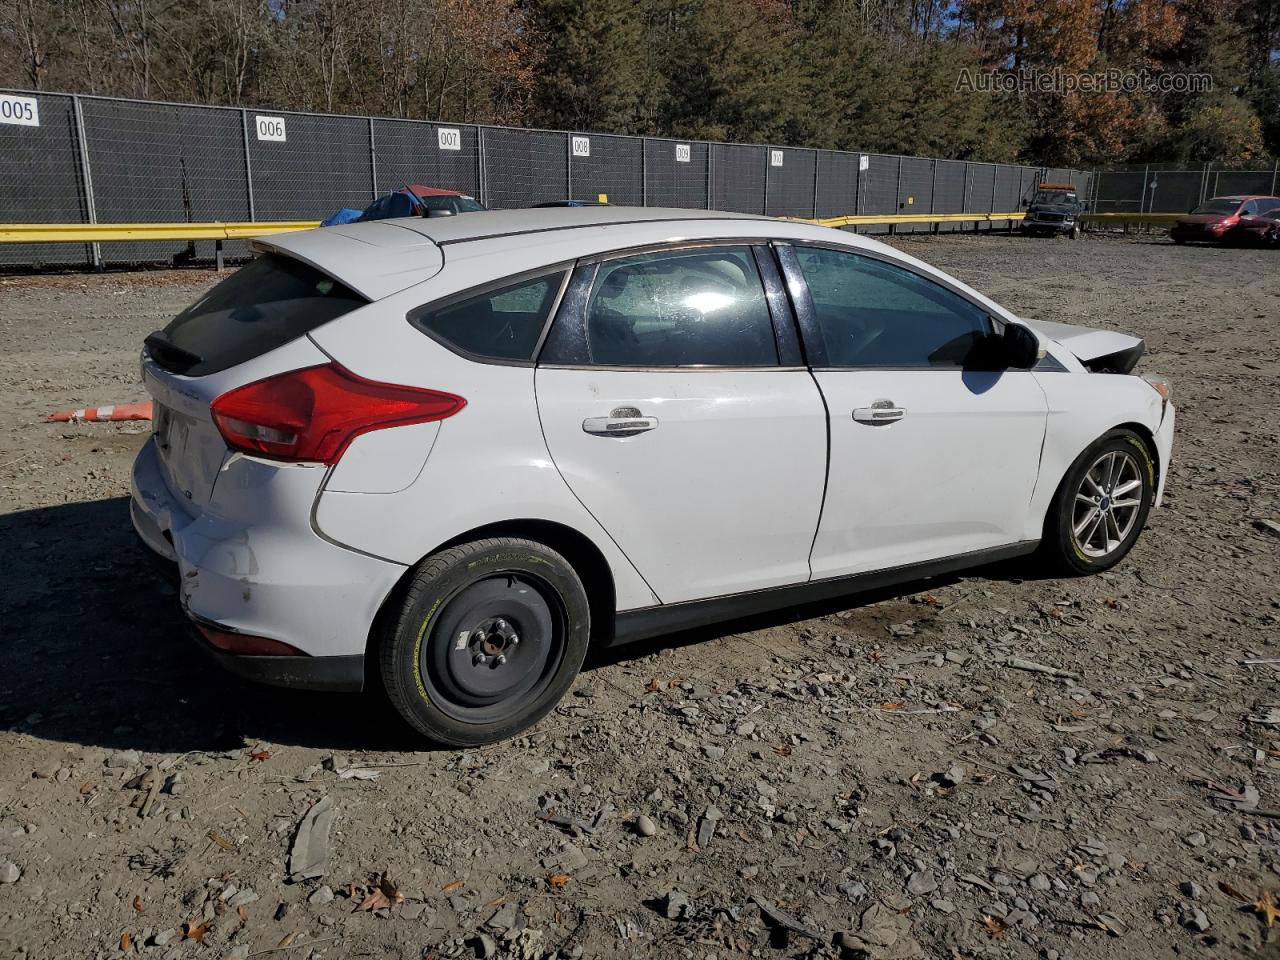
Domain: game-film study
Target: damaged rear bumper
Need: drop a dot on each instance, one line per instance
(342, 674)
(266, 573)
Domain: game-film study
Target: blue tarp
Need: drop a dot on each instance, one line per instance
(345, 215)
(398, 204)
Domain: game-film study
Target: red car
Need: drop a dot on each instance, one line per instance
(1212, 220)
(1262, 230)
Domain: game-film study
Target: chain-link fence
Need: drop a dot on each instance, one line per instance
(80, 159)
(1169, 188)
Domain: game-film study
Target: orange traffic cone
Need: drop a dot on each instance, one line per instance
(116, 411)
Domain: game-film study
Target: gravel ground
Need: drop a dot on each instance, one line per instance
(868, 779)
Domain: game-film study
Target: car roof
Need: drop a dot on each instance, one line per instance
(384, 257)
(483, 225)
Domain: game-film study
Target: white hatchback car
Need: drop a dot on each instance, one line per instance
(454, 452)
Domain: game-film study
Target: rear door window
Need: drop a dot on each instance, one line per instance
(696, 307)
(263, 305)
(500, 324)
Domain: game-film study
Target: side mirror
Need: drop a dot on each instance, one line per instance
(439, 212)
(1019, 346)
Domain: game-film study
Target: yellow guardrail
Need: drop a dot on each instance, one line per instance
(218, 230)
(879, 219)
(103, 232)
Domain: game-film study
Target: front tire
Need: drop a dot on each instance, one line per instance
(1101, 505)
(490, 636)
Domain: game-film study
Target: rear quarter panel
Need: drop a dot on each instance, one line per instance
(487, 464)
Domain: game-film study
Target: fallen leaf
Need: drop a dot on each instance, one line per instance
(288, 939)
(783, 751)
(125, 942)
(456, 885)
(87, 788)
(220, 840)
(374, 901)
(260, 756)
(558, 881)
(653, 686)
(1265, 907)
(138, 905)
(390, 890)
(195, 932)
(244, 914)
(890, 706)
(995, 927)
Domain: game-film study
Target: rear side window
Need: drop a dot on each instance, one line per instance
(696, 307)
(501, 324)
(263, 305)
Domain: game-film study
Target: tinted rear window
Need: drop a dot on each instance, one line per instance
(501, 324)
(263, 305)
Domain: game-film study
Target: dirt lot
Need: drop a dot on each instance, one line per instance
(787, 766)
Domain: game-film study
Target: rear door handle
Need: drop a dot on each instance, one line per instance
(622, 422)
(882, 411)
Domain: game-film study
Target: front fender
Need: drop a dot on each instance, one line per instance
(1084, 406)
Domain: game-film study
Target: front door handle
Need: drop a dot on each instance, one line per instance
(621, 422)
(882, 411)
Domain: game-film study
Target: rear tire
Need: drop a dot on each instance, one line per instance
(1101, 505)
(490, 636)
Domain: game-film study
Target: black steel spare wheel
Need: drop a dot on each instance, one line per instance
(489, 636)
(495, 642)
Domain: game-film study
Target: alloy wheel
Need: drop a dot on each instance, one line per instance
(1107, 504)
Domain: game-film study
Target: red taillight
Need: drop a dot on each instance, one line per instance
(246, 645)
(313, 414)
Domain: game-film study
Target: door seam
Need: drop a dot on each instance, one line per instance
(537, 406)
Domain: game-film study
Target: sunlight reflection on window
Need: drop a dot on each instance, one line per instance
(708, 301)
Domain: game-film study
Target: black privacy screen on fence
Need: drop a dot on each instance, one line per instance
(68, 159)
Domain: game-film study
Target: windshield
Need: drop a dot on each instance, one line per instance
(467, 205)
(1218, 206)
(1054, 196)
